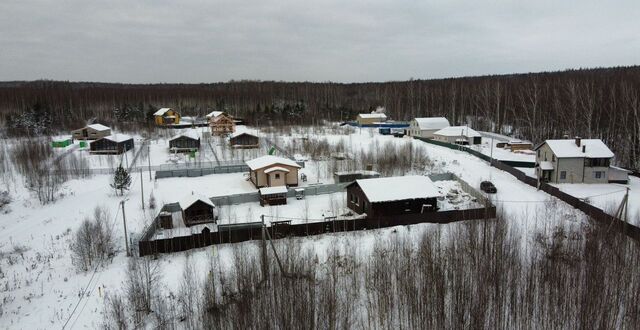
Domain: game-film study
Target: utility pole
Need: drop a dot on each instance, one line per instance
(264, 250)
(124, 222)
(141, 188)
(149, 159)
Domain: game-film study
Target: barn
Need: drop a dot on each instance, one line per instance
(112, 144)
(185, 142)
(426, 126)
(412, 194)
(273, 171)
(244, 139)
(91, 132)
(197, 209)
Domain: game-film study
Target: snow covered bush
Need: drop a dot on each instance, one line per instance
(93, 241)
(5, 199)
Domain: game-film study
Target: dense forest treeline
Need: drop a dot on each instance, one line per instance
(593, 103)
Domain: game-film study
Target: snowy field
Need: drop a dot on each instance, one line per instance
(40, 288)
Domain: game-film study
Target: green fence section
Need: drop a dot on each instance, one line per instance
(475, 153)
(61, 143)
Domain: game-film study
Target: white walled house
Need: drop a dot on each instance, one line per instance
(573, 161)
(464, 135)
(426, 126)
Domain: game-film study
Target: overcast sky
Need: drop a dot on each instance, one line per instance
(296, 40)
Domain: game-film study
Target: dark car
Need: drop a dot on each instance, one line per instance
(488, 187)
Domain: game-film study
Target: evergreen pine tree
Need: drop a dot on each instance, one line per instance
(121, 180)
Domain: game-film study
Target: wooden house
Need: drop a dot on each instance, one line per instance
(112, 144)
(273, 171)
(91, 132)
(166, 116)
(273, 195)
(371, 118)
(393, 196)
(463, 135)
(425, 127)
(244, 139)
(197, 209)
(185, 142)
(221, 123)
(573, 161)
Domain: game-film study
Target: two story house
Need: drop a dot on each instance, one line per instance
(573, 161)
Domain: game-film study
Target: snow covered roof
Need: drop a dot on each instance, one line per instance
(372, 115)
(458, 131)
(567, 148)
(432, 122)
(190, 134)
(214, 114)
(118, 137)
(545, 165)
(398, 188)
(267, 160)
(248, 132)
(161, 111)
(61, 138)
(98, 127)
(273, 190)
(190, 199)
(276, 168)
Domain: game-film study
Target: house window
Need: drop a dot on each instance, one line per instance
(563, 175)
(538, 153)
(597, 174)
(553, 158)
(277, 176)
(357, 201)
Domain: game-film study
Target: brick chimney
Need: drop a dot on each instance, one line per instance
(578, 140)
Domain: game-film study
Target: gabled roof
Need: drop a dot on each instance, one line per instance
(98, 127)
(432, 122)
(247, 132)
(188, 134)
(268, 160)
(372, 115)
(190, 199)
(161, 111)
(567, 148)
(118, 137)
(276, 169)
(398, 188)
(458, 131)
(215, 114)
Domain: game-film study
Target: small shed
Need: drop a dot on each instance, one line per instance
(244, 139)
(197, 209)
(91, 132)
(412, 194)
(350, 176)
(618, 175)
(273, 195)
(112, 144)
(185, 142)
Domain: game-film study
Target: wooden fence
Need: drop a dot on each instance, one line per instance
(285, 229)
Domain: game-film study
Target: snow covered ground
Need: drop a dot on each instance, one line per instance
(608, 196)
(39, 287)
